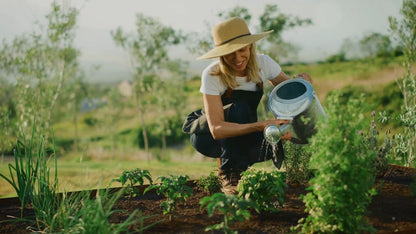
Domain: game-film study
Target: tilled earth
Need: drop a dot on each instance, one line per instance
(393, 209)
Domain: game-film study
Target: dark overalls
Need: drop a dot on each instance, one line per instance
(237, 153)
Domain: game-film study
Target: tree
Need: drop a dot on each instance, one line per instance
(405, 32)
(270, 19)
(376, 45)
(147, 48)
(40, 62)
(170, 95)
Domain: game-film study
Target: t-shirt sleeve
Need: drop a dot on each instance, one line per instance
(268, 67)
(210, 85)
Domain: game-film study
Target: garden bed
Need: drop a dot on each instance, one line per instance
(393, 209)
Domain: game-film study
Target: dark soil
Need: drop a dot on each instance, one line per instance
(393, 209)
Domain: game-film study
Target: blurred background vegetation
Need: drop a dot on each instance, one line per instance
(101, 129)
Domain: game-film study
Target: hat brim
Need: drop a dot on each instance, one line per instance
(233, 45)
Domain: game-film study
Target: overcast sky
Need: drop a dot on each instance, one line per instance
(333, 22)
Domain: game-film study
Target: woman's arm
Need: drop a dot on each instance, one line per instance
(282, 77)
(279, 78)
(222, 129)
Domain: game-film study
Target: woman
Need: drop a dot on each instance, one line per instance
(232, 88)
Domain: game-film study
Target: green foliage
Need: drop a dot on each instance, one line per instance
(297, 159)
(232, 207)
(210, 184)
(270, 19)
(345, 173)
(78, 213)
(371, 139)
(39, 63)
(132, 178)
(148, 50)
(265, 189)
(30, 176)
(405, 32)
(376, 45)
(340, 57)
(175, 190)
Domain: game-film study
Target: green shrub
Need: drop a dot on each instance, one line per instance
(265, 189)
(345, 173)
(232, 207)
(297, 159)
(210, 184)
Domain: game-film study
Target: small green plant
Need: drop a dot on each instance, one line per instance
(381, 162)
(233, 208)
(210, 184)
(345, 173)
(265, 189)
(78, 213)
(297, 163)
(132, 178)
(175, 190)
(22, 174)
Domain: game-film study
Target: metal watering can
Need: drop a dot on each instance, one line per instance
(295, 100)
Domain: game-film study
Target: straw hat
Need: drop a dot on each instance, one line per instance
(231, 35)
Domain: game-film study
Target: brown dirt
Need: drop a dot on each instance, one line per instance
(393, 209)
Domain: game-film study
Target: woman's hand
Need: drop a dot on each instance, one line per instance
(305, 76)
(278, 122)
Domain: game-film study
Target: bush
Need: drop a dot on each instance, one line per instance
(265, 189)
(345, 173)
(210, 184)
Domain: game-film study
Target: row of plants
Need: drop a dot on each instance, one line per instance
(342, 160)
(79, 213)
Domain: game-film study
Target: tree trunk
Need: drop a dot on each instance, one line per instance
(141, 117)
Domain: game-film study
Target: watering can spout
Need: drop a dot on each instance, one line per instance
(273, 133)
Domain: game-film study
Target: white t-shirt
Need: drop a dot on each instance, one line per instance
(212, 85)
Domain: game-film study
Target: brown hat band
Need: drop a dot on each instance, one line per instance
(222, 43)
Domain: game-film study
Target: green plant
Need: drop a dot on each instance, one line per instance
(297, 163)
(22, 174)
(405, 33)
(371, 139)
(344, 176)
(132, 178)
(232, 207)
(30, 176)
(175, 190)
(78, 213)
(44, 200)
(210, 184)
(265, 189)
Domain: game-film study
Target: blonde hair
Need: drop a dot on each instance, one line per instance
(227, 74)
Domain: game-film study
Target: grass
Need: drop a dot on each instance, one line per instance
(98, 173)
(95, 174)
